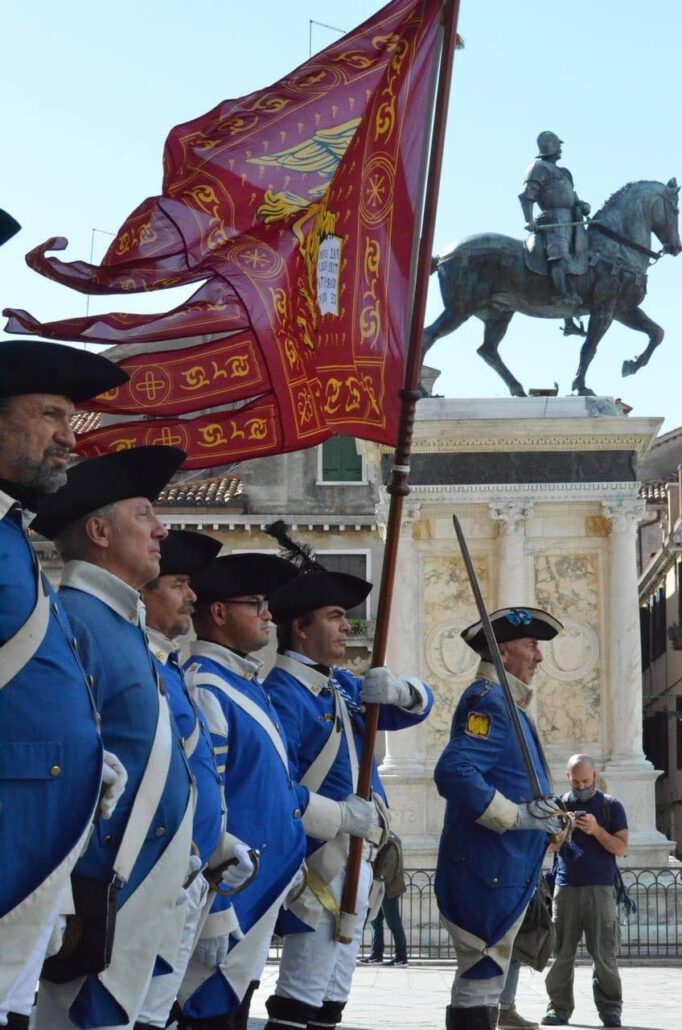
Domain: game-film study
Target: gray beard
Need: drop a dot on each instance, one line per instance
(37, 476)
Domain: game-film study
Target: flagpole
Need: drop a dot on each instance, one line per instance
(398, 487)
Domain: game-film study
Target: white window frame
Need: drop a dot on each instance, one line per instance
(320, 481)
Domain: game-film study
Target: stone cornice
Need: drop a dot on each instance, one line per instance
(257, 521)
(474, 439)
(520, 492)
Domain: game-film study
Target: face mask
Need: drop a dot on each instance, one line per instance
(584, 795)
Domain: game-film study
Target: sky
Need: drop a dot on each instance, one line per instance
(90, 92)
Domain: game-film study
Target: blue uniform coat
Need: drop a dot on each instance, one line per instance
(115, 651)
(264, 804)
(484, 879)
(50, 749)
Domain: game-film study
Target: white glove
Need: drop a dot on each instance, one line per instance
(114, 779)
(212, 951)
(358, 817)
(238, 872)
(536, 815)
(193, 867)
(381, 687)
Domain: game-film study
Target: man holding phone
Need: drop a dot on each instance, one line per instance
(585, 898)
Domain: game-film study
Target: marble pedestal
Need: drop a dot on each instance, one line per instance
(547, 494)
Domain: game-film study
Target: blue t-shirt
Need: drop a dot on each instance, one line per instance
(596, 865)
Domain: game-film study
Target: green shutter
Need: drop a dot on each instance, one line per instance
(341, 462)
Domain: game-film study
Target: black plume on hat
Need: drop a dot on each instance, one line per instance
(300, 555)
(8, 227)
(96, 482)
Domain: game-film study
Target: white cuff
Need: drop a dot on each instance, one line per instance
(418, 706)
(225, 850)
(322, 817)
(500, 815)
(218, 924)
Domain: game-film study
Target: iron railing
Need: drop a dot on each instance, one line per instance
(653, 932)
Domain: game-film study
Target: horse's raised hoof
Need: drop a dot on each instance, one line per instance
(630, 367)
(517, 391)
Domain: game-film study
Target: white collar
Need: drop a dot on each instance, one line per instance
(160, 645)
(521, 692)
(301, 668)
(7, 503)
(247, 666)
(119, 596)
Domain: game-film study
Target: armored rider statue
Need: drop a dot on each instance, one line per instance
(551, 188)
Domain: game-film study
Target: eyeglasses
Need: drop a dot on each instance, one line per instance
(519, 617)
(261, 606)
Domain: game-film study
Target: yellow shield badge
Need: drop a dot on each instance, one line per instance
(478, 725)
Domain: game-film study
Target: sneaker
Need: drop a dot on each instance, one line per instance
(372, 960)
(510, 1019)
(552, 1018)
(396, 962)
(611, 1019)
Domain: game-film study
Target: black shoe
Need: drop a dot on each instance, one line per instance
(396, 962)
(611, 1019)
(552, 1018)
(372, 960)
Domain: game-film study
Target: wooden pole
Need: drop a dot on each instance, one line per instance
(398, 487)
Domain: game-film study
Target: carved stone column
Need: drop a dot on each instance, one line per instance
(512, 582)
(627, 772)
(405, 770)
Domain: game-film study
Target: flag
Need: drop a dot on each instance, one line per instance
(297, 207)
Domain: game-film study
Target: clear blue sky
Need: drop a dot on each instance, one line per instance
(91, 90)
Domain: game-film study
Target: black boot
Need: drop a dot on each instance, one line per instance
(481, 1017)
(327, 1016)
(289, 1013)
(15, 1021)
(224, 1021)
(241, 1016)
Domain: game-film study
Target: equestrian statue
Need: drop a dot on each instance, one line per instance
(569, 266)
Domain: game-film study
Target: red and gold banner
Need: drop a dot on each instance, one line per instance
(169, 382)
(300, 206)
(220, 438)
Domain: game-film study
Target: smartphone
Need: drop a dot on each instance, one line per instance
(580, 813)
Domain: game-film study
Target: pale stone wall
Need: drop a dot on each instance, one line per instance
(565, 546)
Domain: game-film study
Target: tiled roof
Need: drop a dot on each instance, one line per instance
(85, 421)
(219, 492)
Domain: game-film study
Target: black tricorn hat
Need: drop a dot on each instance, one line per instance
(513, 624)
(38, 366)
(185, 553)
(96, 482)
(311, 590)
(234, 575)
(8, 227)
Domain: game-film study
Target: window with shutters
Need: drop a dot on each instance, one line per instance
(339, 461)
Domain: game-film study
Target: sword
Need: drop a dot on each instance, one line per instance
(531, 772)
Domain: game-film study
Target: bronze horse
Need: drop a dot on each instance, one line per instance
(487, 276)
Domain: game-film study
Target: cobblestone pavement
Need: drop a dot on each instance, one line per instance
(414, 998)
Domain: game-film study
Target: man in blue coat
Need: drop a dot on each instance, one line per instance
(320, 705)
(265, 806)
(51, 756)
(106, 532)
(169, 602)
(495, 835)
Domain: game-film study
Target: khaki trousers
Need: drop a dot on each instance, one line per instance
(590, 910)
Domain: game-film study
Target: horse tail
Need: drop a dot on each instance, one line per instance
(435, 261)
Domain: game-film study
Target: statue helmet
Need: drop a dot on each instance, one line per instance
(548, 144)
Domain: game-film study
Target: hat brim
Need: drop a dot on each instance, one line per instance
(96, 482)
(541, 626)
(185, 552)
(312, 590)
(237, 575)
(39, 366)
